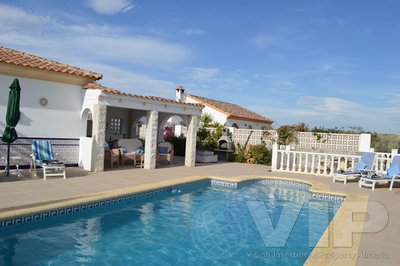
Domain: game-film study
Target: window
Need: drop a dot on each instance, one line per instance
(89, 125)
(115, 126)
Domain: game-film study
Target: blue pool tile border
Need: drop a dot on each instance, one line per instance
(286, 183)
(303, 186)
(327, 197)
(220, 183)
(281, 183)
(175, 189)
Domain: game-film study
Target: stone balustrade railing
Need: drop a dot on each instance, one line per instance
(321, 163)
(383, 160)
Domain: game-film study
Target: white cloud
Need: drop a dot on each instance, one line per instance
(262, 41)
(368, 118)
(110, 7)
(325, 106)
(94, 42)
(133, 82)
(12, 18)
(394, 98)
(287, 83)
(327, 67)
(193, 31)
(203, 74)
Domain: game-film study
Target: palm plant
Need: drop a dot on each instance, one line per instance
(241, 152)
(301, 127)
(206, 120)
(286, 135)
(207, 139)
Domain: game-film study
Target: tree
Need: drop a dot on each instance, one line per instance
(286, 135)
(301, 127)
(207, 139)
(206, 120)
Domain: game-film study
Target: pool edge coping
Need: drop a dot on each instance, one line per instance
(320, 254)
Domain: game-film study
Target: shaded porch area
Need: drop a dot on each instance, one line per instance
(112, 116)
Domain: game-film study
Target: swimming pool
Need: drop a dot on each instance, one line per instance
(208, 222)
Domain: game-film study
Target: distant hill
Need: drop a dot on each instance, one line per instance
(386, 142)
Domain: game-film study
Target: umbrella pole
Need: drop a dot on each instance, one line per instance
(8, 159)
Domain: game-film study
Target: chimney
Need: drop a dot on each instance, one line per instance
(180, 94)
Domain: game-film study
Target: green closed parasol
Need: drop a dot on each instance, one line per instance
(12, 118)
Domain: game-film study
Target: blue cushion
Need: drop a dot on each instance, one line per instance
(393, 170)
(140, 150)
(106, 146)
(163, 150)
(361, 166)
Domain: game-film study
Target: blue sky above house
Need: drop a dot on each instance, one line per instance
(326, 63)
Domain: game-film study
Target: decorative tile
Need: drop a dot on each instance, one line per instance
(219, 183)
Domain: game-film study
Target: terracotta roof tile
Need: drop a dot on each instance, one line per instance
(95, 86)
(11, 56)
(233, 111)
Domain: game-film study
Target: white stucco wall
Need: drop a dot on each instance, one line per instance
(245, 124)
(85, 153)
(59, 119)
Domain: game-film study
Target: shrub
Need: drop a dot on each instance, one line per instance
(261, 154)
(231, 157)
(240, 158)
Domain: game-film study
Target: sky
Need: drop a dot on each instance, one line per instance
(329, 63)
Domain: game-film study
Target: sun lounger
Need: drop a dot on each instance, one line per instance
(392, 175)
(42, 155)
(364, 165)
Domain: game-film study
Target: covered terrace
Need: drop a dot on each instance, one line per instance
(104, 107)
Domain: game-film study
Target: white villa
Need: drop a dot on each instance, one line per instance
(64, 104)
(228, 114)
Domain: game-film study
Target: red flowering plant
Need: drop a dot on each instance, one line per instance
(168, 132)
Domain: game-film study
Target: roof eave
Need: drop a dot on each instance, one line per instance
(264, 121)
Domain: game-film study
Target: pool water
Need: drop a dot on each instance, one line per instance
(257, 224)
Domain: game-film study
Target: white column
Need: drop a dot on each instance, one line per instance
(365, 143)
(274, 162)
(98, 137)
(190, 154)
(150, 153)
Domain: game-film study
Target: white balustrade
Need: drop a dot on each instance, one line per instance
(321, 163)
(383, 160)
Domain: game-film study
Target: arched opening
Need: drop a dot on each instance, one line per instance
(138, 129)
(171, 125)
(88, 120)
(249, 127)
(172, 129)
(89, 125)
(234, 125)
